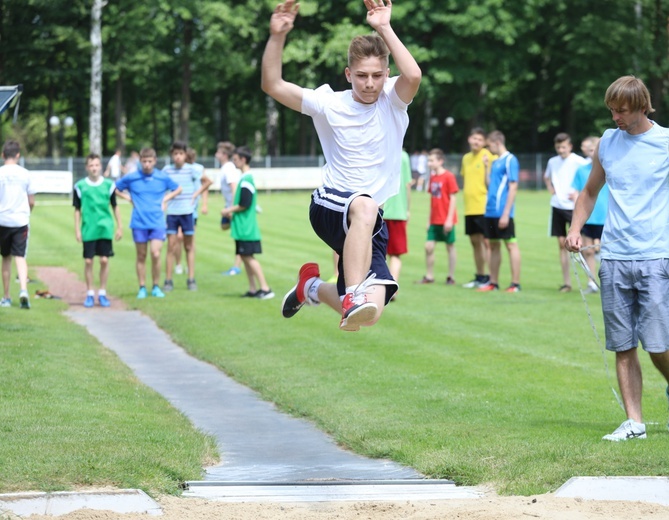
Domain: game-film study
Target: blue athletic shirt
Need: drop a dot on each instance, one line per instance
(637, 172)
(502, 171)
(190, 181)
(147, 192)
(598, 215)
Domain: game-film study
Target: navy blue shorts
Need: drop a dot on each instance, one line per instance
(185, 222)
(328, 214)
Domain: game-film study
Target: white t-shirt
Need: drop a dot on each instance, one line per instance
(114, 166)
(362, 143)
(229, 175)
(561, 173)
(15, 186)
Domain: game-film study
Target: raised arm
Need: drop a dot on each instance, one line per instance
(378, 17)
(272, 82)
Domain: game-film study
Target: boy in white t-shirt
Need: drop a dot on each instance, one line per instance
(230, 176)
(559, 177)
(17, 198)
(361, 132)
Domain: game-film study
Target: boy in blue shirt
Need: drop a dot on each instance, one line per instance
(147, 192)
(502, 181)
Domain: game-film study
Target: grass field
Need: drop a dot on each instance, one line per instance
(499, 388)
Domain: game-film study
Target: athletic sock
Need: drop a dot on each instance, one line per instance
(90, 293)
(312, 291)
(102, 292)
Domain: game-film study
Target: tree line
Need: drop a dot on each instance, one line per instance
(190, 69)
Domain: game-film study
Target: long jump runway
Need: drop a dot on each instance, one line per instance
(266, 455)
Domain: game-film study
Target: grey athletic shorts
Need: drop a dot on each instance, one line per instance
(635, 302)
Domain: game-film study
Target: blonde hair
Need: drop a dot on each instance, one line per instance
(630, 91)
(147, 152)
(367, 46)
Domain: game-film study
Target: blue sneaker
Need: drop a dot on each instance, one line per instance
(6, 302)
(233, 271)
(142, 293)
(89, 302)
(103, 301)
(157, 292)
(24, 301)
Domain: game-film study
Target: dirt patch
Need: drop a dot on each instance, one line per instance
(69, 288)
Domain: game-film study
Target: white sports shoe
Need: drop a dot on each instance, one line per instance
(628, 430)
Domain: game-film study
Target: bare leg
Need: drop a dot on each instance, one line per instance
(178, 250)
(564, 261)
(6, 273)
(514, 260)
(189, 245)
(22, 271)
(452, 258)
(661, 362)
(88, 273)
(327, 294)
(630, 382)
(156, 247)
(429, 259)
(104, 272)
(481, 250)
(172, 245)
(395, 266)
(254, 270)
(362, 214)
(140, 263)
(495, 260)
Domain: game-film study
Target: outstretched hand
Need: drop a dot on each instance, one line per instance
(378, 12)
(283, 17)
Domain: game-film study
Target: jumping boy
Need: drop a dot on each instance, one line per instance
(244, 227)
(443, 217)
(94, 225)
(361, 131)
(148, 193)
(17, 198)
(180, 213)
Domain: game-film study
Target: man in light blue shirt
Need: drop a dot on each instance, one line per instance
(634, 161)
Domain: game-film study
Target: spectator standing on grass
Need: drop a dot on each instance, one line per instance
(559, 177)
(396, 216)
(361, 131)
(229, 181)
(181, 213)
(502, 181)
(591, 232)
(17, 198)
(149, 191)
(114, 167)
(94, 225)
(476, 195)
(633, 160)
(443, 216)
(244, 226)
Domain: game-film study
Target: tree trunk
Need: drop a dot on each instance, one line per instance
(186, 77)
(95, 123)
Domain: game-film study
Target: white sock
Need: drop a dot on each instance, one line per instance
(312, 291)
(102, 292)
(90, 293)
(592, 285)
(352, 288)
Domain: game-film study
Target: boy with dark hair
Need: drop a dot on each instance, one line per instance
(502, 180)
(361, 131)
(17, 198)
(147, 190)
(180, 212)
(443, 216)
(475, 194)
(559, 177)
(94, 225)
(244, 227)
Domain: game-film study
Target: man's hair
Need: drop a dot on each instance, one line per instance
(91, 157)
(367, 46)
(179, 145)
(561, 138)
(244, 151)
(477, 130)
(226, 147)
(497, 137)
(438, 153)
(147, 152)
(630, 91)
(11, 149)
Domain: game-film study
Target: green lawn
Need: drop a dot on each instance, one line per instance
(499, 388)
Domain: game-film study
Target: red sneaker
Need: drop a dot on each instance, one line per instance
(296, 297)
(488, 287)
(355, 309)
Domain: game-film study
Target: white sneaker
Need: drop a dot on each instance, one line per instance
(628, 430)
(178, 269)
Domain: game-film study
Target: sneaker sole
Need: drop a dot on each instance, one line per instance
(290, 314)
(361, 316)
(619, 439)
(24, 302)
